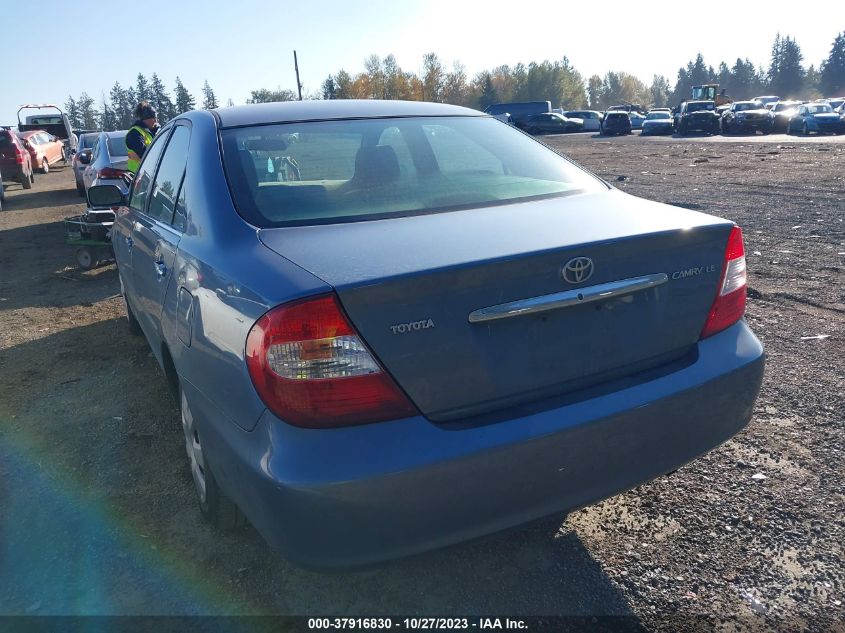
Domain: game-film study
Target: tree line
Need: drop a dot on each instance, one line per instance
(555, 81)
(115, 112)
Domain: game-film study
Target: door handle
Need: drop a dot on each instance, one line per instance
(129, 241)
(161, 269)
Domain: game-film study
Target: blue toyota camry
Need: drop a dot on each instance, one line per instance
(392, 326)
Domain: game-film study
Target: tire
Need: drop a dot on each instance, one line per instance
(726, 128)
(80, 189)
(27, 181)
(805, 131)
(85, 258)
(215, 507)
(134, 326)
(45, 166)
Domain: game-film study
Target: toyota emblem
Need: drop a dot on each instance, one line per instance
(577, 270)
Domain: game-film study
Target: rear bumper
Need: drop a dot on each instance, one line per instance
(359, 495)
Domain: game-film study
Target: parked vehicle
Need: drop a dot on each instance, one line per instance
(615, 122)
(768, 101)
(697, 116)
(56, 124)
(591, 119)
(550, 123)
(814, 117)
(746, 116)
(835, 102)
(82, 158)
(2, 191)
(44, 149)
(15, 161)
(637, 120)
(108, 160)
(339, 378)
(519, 111)
(657, 122)
(782, 111)
(669, 110)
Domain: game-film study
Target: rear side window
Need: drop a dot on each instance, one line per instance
(340, 171)
(144, 177)
(169, 175)
(5, 141)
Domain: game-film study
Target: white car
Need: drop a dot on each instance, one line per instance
(591, 119)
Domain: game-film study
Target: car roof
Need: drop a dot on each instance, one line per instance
(746, 102)
(117, 133)
(332, 109)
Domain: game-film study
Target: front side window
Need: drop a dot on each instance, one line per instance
(340, 171)
(144, 177)
(169, 175)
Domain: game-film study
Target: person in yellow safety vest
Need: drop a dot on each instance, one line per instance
(140, 135)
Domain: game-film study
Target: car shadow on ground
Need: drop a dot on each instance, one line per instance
(39, 270)
(100, 514)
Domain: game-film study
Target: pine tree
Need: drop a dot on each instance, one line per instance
(72, 112)
(786, 74)
(832, 76)
(209, 101)
(659, 91)
(489, 96)
(184, 100)
(142, 88)
(88, 115)
(343, 85)
(122, 105)
(108, 119)
(329, 90)
(160, 100)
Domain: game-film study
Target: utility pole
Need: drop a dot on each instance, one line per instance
(296, 66)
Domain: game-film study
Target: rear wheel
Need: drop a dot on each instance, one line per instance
(216, 507)
(85, 258)
(27, 181)
(45, 166)
(80, 189)
(805, 130)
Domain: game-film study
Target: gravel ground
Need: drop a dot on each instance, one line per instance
(98, 514)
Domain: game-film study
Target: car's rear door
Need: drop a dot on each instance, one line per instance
(123, 231)
(155, 238)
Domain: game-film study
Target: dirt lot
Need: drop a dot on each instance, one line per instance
(97, 511)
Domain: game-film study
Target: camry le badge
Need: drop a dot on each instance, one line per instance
(577, 270)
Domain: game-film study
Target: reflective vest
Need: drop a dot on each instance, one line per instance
(134, 160)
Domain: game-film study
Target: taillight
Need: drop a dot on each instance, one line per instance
(110, 172)
(18, 155)
(729, 305)
(311, 368)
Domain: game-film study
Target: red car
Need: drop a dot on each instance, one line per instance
(15, 160)
(45, 149)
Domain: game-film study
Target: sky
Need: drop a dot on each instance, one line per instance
(245, 45)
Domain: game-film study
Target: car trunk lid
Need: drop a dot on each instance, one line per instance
(410, 284)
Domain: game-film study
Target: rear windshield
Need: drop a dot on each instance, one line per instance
(88, 141)
(820, 108)
(739, 107)
(658, 115)
(339, 171)
(117, 145)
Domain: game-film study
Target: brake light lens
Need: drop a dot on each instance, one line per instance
(18, 155)
(311, 368)
(729, 305)
(110, 172)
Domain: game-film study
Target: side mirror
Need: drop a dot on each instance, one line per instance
(105, 196)
(85, 157)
